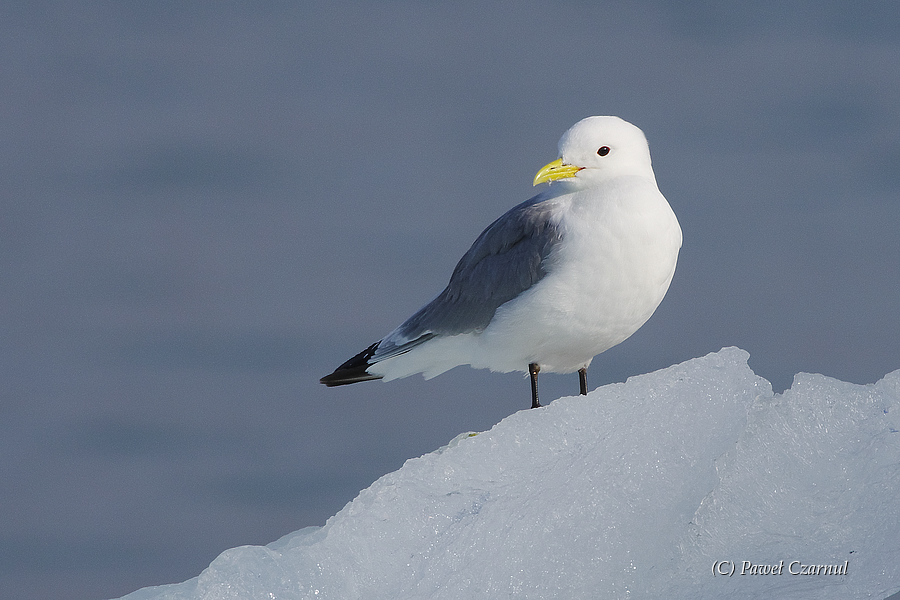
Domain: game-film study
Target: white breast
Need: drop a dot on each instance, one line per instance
(605, 279)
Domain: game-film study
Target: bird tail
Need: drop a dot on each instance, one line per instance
(354, 370)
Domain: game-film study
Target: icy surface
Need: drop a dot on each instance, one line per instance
(636, 491)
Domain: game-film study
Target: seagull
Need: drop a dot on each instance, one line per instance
(556, 280)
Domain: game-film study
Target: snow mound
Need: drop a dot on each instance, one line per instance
(669, 485)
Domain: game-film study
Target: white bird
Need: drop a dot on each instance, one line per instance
(556, 280)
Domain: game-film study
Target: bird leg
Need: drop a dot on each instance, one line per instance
(582, 380)
(534, 369)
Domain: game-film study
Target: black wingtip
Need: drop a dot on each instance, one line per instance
(346, 378)
(354, 370)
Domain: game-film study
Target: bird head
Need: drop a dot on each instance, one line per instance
(598, 148)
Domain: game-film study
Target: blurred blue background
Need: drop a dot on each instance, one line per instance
(205, 207)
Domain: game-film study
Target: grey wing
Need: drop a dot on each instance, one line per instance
(505, 260)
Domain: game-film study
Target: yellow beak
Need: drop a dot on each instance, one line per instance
(555, 170)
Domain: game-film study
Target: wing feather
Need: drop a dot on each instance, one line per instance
(506, 259)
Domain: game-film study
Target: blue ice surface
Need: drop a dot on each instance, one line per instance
(671, 484)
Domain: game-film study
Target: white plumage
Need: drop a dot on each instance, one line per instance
(556, 280)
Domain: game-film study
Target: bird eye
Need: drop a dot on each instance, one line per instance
(603, 151)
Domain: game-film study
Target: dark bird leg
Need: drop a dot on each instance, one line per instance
(534, 369)
(582, 380)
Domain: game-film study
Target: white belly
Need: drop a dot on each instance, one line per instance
(604, 280)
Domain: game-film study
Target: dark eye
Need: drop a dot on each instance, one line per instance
(603, 151)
